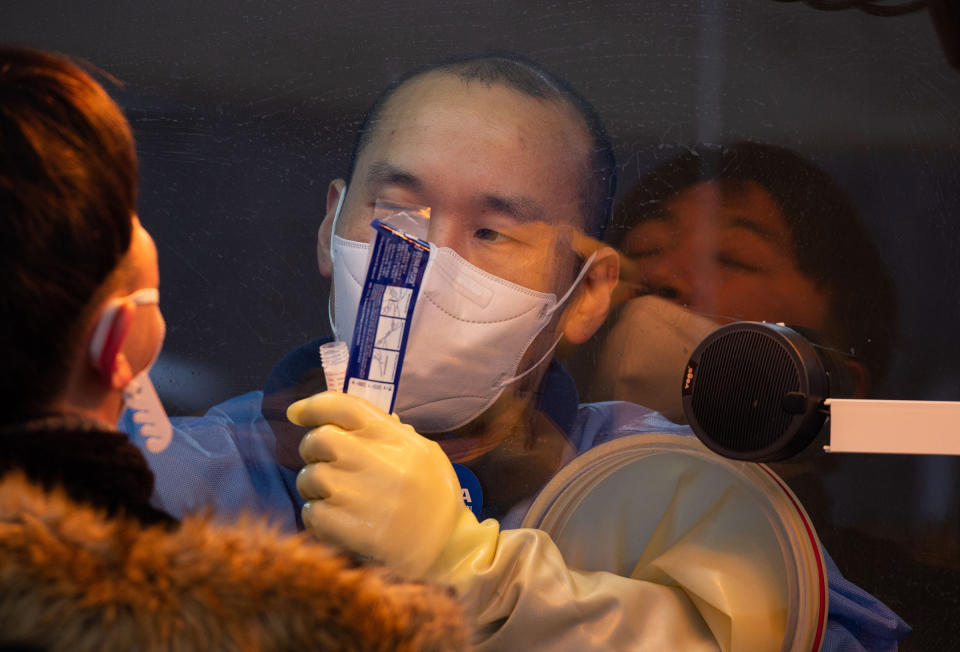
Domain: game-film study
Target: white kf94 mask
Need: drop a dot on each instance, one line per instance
(469, 331)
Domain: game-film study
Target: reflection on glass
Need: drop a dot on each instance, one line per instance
(746, 232)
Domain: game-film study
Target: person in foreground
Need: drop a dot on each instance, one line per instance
(518, 175)
(86, 562)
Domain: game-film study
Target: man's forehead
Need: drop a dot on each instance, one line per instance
(441, 118)
(740, 205)
(438, 88)
(471, 147)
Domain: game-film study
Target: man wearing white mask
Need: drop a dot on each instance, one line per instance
(472, 372)
(524, 227)
(518, 176)
(443, 139)
(506, 280)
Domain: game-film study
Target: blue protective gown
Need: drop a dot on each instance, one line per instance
(227, 462)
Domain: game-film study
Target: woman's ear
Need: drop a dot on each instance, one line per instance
(592, 302)
(335, 195)
(105, 347)
(121, 375)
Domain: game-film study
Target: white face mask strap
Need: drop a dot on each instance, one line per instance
(536, 364)
(333, 329)
(141, 297)
(336, 215)
(333, 234)
(576, 282)
(573, 286)
(99, 339)
(145, 297)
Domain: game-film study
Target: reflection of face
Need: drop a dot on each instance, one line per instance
(147, 331)
(728, 255)
(497, 168)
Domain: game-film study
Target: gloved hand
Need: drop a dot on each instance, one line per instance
(373, 485)
(376, 487)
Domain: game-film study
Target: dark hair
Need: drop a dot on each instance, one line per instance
(830, 243)
(532, 79)
(68, 183)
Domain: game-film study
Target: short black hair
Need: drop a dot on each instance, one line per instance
(68, 189)
(831, 245)
(532, 79)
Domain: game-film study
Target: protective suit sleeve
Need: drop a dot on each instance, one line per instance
(223, 462)
(376, 487)
(520, 594)
(859, 621)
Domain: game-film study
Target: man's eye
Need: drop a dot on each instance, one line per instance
(644, 252)
(489, 235)
(737, 264)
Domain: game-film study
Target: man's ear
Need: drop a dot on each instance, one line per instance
(592, 302)
(106, 346)
(336, 188)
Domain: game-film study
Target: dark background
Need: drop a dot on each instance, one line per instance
(244, 111)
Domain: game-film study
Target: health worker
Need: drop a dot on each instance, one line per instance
(513, 165)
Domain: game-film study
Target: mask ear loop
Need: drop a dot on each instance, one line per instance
(112, 327)
(333, 232)
(573, 286)
(108, 336)
(145, 297)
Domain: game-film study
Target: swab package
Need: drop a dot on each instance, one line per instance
(395, 269)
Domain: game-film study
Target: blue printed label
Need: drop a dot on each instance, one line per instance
(397, 264)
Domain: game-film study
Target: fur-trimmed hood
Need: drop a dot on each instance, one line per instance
(73, 579)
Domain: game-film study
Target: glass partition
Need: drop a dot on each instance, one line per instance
(245, 112)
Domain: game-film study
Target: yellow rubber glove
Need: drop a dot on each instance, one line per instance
(373, 485)
(376, 487)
